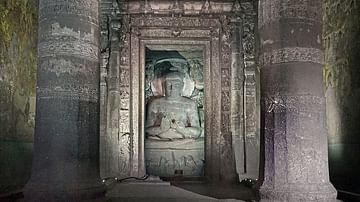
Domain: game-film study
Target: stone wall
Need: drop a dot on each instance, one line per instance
(342, 83)
(117, 28)
(18, 39)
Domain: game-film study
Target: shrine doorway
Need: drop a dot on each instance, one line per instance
(174, 125)
(231, 143)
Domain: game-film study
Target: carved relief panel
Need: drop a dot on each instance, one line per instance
(218, 29)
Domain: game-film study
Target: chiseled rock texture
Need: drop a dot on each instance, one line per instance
(293, 103)
(66, 142)
(342, 58)
(18, 37)
(18, 60)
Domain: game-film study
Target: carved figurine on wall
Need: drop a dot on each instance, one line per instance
(172, 116)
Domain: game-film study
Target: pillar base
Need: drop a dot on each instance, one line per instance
(299, 192)
(74, 192)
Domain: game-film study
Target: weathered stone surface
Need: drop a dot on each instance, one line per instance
(18, 41)
(244, 109)
(115, 136)
(17, 69)
(164, 158)
(293, 104)
(66, 147)
(341, 76)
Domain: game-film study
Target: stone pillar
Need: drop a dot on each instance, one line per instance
(293, 104)
(66, 148)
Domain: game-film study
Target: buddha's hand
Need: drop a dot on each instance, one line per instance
(176, 124)
(180, 124)
(165, 124)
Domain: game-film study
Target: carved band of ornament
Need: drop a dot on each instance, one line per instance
(225, 123)
(124, 121)
(225, 100)
(83, 3)
(62, 66)
(104, 59)
(179, 21)
(225, 78)
(59, 32)
(274, 10)
(248, 7)
(135, 31)
(83, 94)
(206, 7)
(176, 32)
(125, 93)
(88, 13)
(69, 48)
(293, 103)
(78, 5)
(292, 54)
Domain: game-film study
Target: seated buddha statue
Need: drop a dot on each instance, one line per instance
(172, 116)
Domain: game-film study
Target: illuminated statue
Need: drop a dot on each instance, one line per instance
(172, 116)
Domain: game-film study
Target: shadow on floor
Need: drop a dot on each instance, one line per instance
(179, 189)
(221, 191)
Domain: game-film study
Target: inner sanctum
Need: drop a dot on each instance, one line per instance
(174, 122)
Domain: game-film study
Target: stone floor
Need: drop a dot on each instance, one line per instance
(160, 191)
(157, 193)
(177, 192)
(223, 191)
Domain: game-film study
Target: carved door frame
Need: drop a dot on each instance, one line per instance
(138, 93)
(126, 31)
(188, 31)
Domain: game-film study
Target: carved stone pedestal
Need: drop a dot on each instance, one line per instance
(164, 158)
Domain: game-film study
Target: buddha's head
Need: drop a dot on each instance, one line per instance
(173, 84)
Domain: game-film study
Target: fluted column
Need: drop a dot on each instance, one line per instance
(66, 148)
(293, 104)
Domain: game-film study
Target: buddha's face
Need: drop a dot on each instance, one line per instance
(173, 88)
